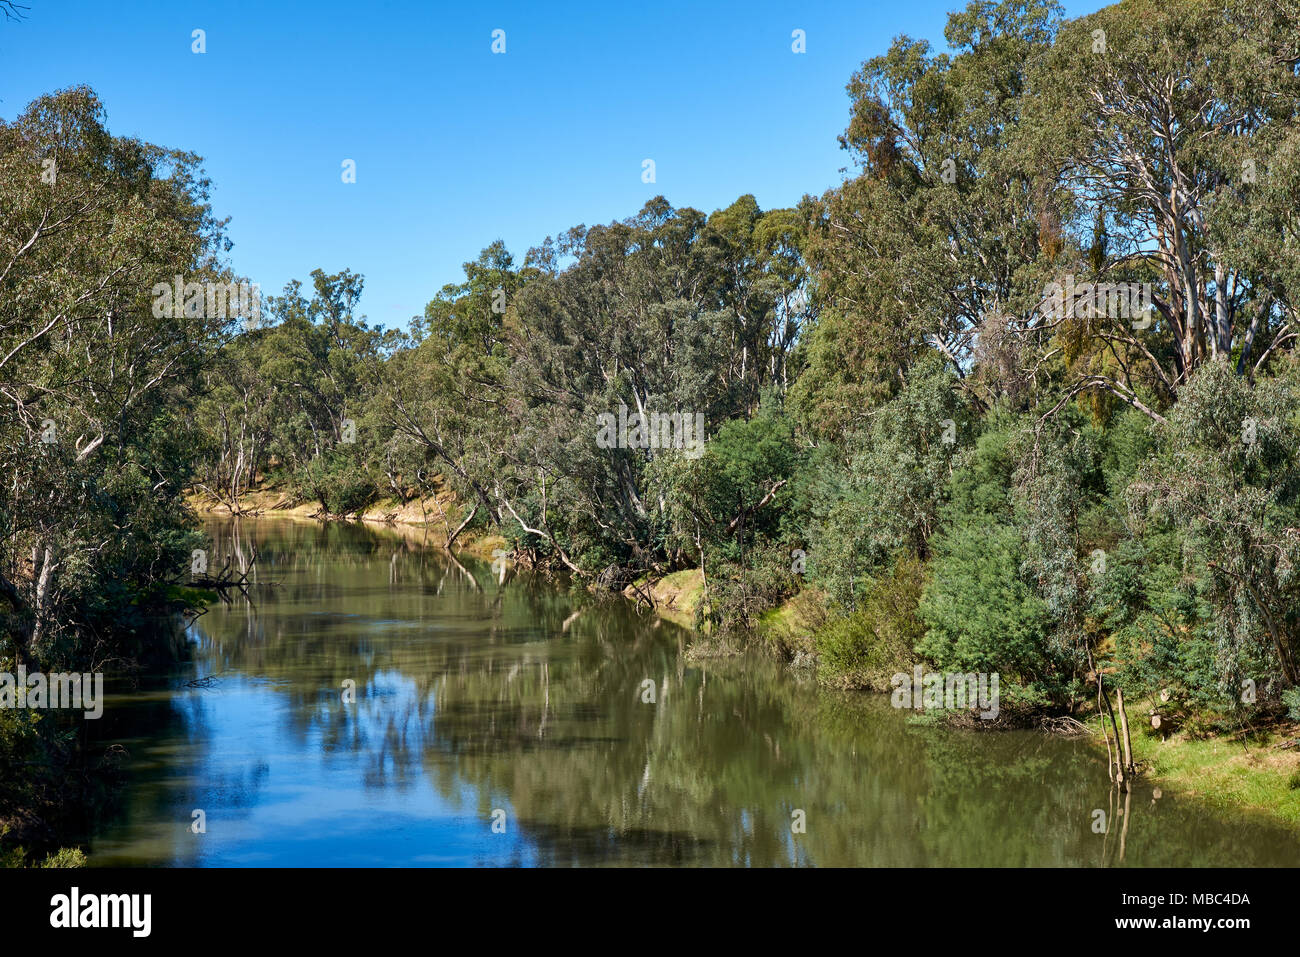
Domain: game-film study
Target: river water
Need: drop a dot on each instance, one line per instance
(508, 723)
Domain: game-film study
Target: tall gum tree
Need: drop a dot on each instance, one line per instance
(924, 248)
(1166, 135)
(95, 435)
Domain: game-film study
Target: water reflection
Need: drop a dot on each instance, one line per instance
(474, 694)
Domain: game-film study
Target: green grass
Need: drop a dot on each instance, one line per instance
(1223, 771)
(678, 594)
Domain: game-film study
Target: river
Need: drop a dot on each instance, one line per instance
(511, 723)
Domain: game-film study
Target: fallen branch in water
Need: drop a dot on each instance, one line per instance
(1063, 724)
(228, 578)
(205, 681)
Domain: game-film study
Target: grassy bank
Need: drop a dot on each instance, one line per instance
(676, 596)
(1257, 769)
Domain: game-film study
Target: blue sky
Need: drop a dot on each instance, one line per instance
(456, 146)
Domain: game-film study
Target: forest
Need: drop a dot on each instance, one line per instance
(1020, 396)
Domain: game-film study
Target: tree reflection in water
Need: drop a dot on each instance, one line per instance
(474, 694)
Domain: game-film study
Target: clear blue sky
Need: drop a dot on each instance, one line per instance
(455, 146)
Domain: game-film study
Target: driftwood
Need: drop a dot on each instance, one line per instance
(1063, 724)
(205, 682)
(227, 578)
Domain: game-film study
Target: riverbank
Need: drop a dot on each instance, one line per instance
(427, 520)
(1256, 769)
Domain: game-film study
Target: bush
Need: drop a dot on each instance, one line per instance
(65, 857)
(1291, 697)
(867, 648)
(339, 482)
(740, 593)
(980, 614)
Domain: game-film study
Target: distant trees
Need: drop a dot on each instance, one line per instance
(291, 392)
(506, 373)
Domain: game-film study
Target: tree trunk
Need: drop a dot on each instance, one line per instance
(451, 539)
(1123, 721)
(42, 595)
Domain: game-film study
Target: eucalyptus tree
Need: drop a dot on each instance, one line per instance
(668, 312)
(924, 249)
(241, 411)
(325, 358)
(96, 382)
(444, 397)
(1166, 135)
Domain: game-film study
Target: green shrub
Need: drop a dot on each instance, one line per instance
(980, 614)
(65, 857)
(1291, 697)
(870, 646)
(341, 483)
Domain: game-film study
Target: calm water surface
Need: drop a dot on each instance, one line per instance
(475, 696)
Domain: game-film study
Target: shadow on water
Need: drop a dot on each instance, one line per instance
(507, 723)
